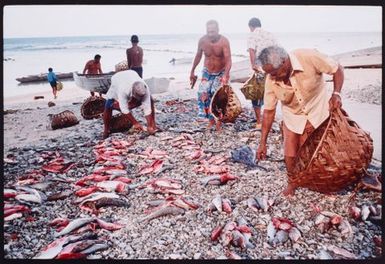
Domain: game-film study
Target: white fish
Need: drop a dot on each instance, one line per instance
(271, 231)
(53, 249)
(345, 228)
(252, 203)
(41, 197)
(217, 201)
(365, 212)
(96, 196)
(282, 236)
(28, 198)
(342, 252)
(75, 224)
(12, 217)
(262, 201)
(109, 186)
(294, 234)
(94, 248)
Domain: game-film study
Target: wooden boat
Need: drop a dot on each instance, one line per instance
(101, 82)
(93, 82)
(42, 77)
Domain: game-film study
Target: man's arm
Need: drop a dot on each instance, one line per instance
(252, 57)
(100, 68)
(85, 68)
(227, 56)
(128, 58)
(197, 59)
(140, 56)
(267, 122)
(338, 80)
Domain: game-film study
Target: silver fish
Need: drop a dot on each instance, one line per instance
(241, 221)
(247, 237)
(345, 228)
(294, 234)
(109, 186)
(94, 248)
(365, 212)
(252, 204)
(106, 201)
(262, 201)
(217, 201)
(96, 196)
(12, 217)
(75, 224)
(42, 186)
(271, 231)
(238, 239)
(164, 211)
(53, 249)
(40, 196)
(28, 198)
(282, 236)
(207, 179)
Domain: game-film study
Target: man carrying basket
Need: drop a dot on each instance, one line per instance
(296, 80)
(256, 42)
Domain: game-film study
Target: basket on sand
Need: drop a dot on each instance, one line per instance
(225, 105)
(92, 107)
(63, 119)
(334, 156)
(121, 66)
(119, 123)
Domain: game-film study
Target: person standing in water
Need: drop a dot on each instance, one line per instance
(135, 56)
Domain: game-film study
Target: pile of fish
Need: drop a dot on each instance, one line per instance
(280, 229)
(326, 220)
(237, 234)
(372, 212)
(220, 204)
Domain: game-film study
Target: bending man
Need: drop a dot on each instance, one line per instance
(129, 91)
(296, 80)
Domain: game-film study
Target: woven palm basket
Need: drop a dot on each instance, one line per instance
(334, 156)
(63, 119)
(119, 123)
(121, 66)
(225, 105)
(92, 107)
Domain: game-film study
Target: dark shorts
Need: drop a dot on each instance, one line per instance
(139, 70)
(53, 84)
(257, 103)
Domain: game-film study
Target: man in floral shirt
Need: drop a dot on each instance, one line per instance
(257, 41)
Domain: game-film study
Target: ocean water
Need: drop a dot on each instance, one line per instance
(67, 54)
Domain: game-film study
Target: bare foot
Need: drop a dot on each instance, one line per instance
(105, 134)
(218, 126)
(211, 123)
(289, 190)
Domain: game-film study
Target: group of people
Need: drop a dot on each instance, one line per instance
(295, 79)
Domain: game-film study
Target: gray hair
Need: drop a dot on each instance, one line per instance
(273, 55)
(138, 90)
(212, 22)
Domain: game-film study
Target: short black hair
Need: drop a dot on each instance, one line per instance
(49, 69)
(254, 22)
(134, 39)
(97, 56)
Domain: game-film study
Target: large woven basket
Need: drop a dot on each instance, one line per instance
(63, 119)
(119, 123)
(92, 107)
(334, 156)
(121, 66)
(225, 105)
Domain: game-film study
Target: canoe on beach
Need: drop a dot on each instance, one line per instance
(42, 77)
(101, 82)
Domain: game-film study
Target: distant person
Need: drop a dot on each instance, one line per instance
(135, 56)
(296, 79)
(172, 61)
(52, 79)
(256, 42)
(129, 91)
(93, 67)
(216, 69)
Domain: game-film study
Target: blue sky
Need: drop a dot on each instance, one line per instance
(91, 20)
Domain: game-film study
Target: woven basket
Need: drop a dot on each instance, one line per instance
(119, 123)
(254, 87)
(63, 119)
(225, 105)
(92, 107)
(121, 66)
(334, 156)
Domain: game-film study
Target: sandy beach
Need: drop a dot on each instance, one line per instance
(186, 235)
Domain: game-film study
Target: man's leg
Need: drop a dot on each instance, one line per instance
(107, 114)
(291, 145)
(203, 99)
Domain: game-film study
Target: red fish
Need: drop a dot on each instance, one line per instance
(15, 209)
(123, 179)
(86, 191)
(109, 226)
(227, 177)
(216, 233)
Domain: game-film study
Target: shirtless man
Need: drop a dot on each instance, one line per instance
(216, 69)
(135, 56)
(93, 67)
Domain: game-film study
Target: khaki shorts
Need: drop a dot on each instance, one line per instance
(292, 141)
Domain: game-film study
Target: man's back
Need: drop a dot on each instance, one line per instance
(134, 56)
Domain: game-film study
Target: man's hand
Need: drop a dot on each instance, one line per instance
(255, 68)
(193, 79)
(335, 102)
(225, 79)
(261, 152)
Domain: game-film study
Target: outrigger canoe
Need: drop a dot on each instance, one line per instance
(42, 77)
